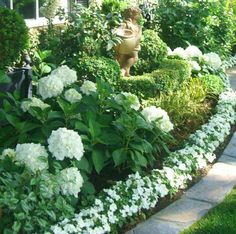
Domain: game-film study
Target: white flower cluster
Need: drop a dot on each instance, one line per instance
(33, 102)
(65, 143)
(49, 8)
(71, 181)
(34, 156)
(95, 3)
(11, 153)
(213, 60)
(143, 192)
(53, 84)
(129, 99)
(88, 87)
(158, 116)
(192, 53)
(72, 95)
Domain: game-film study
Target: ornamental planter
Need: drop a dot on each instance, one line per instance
(21, 81)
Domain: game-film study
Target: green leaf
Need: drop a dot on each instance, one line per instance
(139, 159)
(88, 188)
(4, 78)
(81, 127)
(109, 137)
(119, 156)
(99, 160)
(83, 164)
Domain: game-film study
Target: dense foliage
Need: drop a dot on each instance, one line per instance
(153, 51)
(206, 24)
(13, 36)
(102, 68)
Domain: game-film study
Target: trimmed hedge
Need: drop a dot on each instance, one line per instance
(153, 52)
(169, 77)
(98, 68)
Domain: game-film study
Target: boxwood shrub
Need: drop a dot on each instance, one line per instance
(214, 84)
(153, 51)
(102, 68)
(170, 77)
(13, 36)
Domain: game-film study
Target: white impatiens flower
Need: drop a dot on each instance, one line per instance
(129, 99)
(159, 116)
(193, 52)
(71, 181)
(88, 87)
(179, 52)
(34, 156)
(66, 75)
(72, 95)
(195, 66)
(213, 60)
(65, 143)
(49, 87)
(33, 102)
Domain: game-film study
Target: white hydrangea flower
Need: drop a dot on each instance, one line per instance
(34, 156)
(49, 87)
(49, 8)
(33, 102)
(88, 87)
(11, 153)
(72, 95)
(66, 75)
(165, 125)
(169, 51)
(195, 66)
(193, 52)
(213, 60)
(179, 52)
(96, 3)
(159, 116)
(71, 181)
(129, 99)
(65, 143)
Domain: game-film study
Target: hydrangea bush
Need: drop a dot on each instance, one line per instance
(110, 209)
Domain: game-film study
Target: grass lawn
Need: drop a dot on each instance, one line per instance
(220, 220)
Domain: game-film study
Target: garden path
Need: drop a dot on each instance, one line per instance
(200, 198)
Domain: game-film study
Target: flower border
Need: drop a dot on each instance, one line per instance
(126, 198)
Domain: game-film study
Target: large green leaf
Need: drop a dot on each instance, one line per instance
(119, 156)
(99, 160)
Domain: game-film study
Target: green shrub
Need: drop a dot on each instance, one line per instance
(143, 86)
(98, 67)
(153, 51)
(13, 36)
(214, 84)
(183, 68)
(168, 78)
(206, 24)
(186, 106)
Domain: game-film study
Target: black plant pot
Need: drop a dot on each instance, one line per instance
(21, 80)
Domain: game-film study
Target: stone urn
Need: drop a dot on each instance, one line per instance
(129, 41)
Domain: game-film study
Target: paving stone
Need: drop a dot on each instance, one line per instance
(216, 185)
(227, 160)
(152, 226)
(184, 210)
(231, 147)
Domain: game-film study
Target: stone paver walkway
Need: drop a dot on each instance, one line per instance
(200, 198)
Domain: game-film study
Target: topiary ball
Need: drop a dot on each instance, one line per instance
(13, 36)
(98, 68)
(153, 52)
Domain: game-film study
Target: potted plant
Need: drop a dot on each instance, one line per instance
(13, 40)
